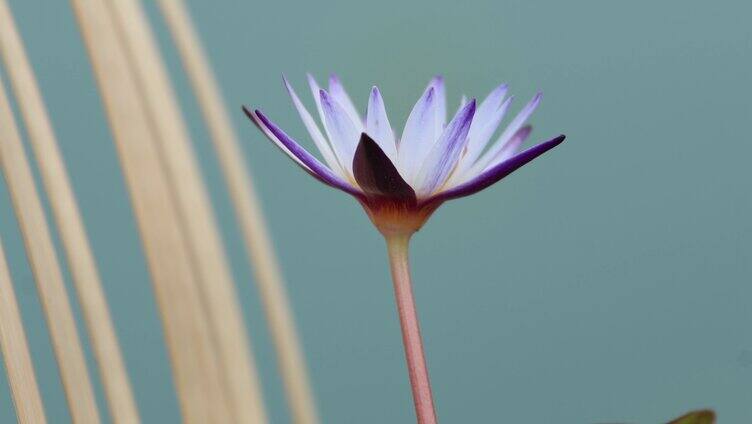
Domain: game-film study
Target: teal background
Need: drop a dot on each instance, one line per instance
(607, 281)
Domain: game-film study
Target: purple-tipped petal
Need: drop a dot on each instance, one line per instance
(297, 153)
(463, 102)
(512, 146)
(437, 83)
(444, 155)
(497, 172)
(315, 89)
(313, 130)
(419, 134)
(343, 132)
(377, 124)
(479, 135)
(510, 130)
(376, 174)
(338, 92)
(274, 139)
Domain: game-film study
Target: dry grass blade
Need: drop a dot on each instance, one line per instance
(197, 218)
(247, 210)
(18, 366)
(46, 269)
(194, 361)
(68, 219)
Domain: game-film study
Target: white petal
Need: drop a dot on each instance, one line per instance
(511, 129)
(441, 104)
(377, 124)
(511, 147)
(338, 92)
(419, 135)
(343, 132)
(314, 131)
(315, 90)
(480, 133)
(487, 118)
(488, 107)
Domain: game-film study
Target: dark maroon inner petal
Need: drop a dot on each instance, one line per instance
(377, 175)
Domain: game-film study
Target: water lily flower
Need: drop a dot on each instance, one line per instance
(401, 181)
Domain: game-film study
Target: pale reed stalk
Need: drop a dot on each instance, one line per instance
(46, 268)
(18, 365)
(196, 215)
(196, 367)
(64, 207)
(247, 211)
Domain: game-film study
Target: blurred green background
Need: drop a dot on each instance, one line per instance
(607, 281)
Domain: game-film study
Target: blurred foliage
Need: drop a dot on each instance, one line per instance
(703, 416)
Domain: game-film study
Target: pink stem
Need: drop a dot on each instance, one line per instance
(397, 245)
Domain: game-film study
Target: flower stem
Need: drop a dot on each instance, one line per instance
(397, 245)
